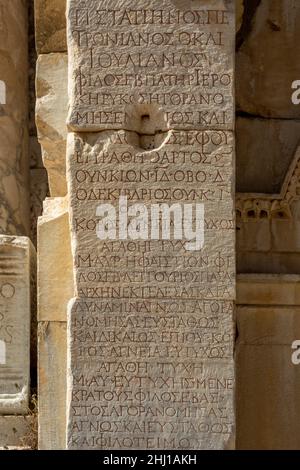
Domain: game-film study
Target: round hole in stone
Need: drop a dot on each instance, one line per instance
(149, 122)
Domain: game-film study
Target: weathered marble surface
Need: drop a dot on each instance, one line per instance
(14, 157)
(169, 62)
(265, 150)
(268, 383)
(55, 288)
(266, 64)
(151, 327)
(51, 115)
(38, 192)
(15, 430)
(17, 260)
(50, 26)
(113, 282)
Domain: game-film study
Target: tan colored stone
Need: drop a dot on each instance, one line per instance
(32, 57)
(266, 64)
(265, 325)
(38, 193)
(267, 398)
(14, 155)
(36, 161)
(52, 373)
(51, 115)
(50, 26)
(265, 376)
(268, 262)
(268, 383)
(239, 5)
(112, 282)
(162, 81)
(55, 287)
(145, 98)
(263, 289)
(254, 236)
(14, 430)
(17, 258)
(97, 175)
(275, 142)
(55, 271)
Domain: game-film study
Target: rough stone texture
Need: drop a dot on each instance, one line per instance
(268, 227)
(51, 115)
(16, 264)
(50, 26)
(123, 335)
(32, 57)
(52, 337)
(55, 288)
(14, 159)
(14, 430)
(270, 245)
(144, 73)
(103, 266)
(36, 161)
(255, 289)
(38, 193)
(55, 267)
(266, 62)
(268, 383)
(265, 149)
(260, 363)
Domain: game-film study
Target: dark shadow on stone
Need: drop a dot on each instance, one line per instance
(250, 7)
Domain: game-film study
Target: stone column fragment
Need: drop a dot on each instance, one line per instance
(55, 287)
(51, 114)
(17, 261)
(150, 170)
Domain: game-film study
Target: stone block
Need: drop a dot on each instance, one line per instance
(268, 383)
(55, 286)
(14, 155)
(17, 259)
(268, 263)
(265, 149)
(129, 72)
(38, 192)
(50, 26)
(285, 232)
(265, 65)
(52, 386)
(253, 235)
(273, 289)
(55, 269)
(36, 161)
(155, 86)
(263, 326)
(15, 431)
(51, 116)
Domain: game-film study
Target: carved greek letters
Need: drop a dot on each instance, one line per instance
(150, 169)
(172, 58)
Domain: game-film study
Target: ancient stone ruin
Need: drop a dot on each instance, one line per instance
(149, 224)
